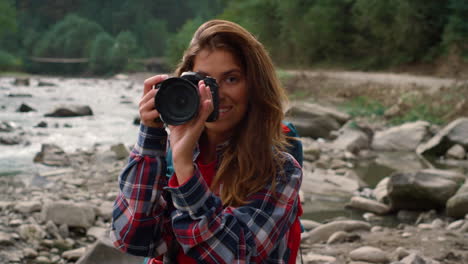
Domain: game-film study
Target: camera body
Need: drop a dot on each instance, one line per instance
(178, 99)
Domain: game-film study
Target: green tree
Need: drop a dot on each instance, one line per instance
(8, 17)
(455, 34)
(125, 48)
(100, 58)
(153, 37)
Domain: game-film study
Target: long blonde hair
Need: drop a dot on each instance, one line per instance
(252, 159)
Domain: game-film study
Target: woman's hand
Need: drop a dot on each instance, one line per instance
(185, 137)
(148, 113)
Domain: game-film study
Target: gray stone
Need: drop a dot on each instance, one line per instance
(21, 81)
(98, 232)
(312, 258)
(457, 206)
(70, 111)
(456, 224)
(456, 152)
(337, 237)
(121, 151)
(105, 210)
(323, 232)
(309, 224)
(70, 213)
(401, 253)
(24, 108)
(405, 137)
(380, 191)
(454, 133)
(103, 252)
(74, 254)
(52, 155)
(28, 207)
(426, 189)
(352, 140)
(31, 232)
(5, 239)
(368, 205)
(413, 258)
(369, 254)
(29, 253)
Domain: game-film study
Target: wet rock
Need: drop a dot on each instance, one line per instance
(52, 155)
(456, 152)
(24, 108)
(406, 137)
(70, 111)
(136, 121)
(21, 81)
(457, 206)
(70, 213)
(368, 205)
(42, 124)
(323, 232)
(103, 252)
(369, 254)
(426, 189)
(454, 133)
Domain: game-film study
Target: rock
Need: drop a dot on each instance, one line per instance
(457, 206)
(456, 152)
(103, 252)
(368, 205)
(7, 126)
(413, 258)
(11, 139)
(401, 252)
(98, 232)
(454, 133)
(406, 137)
(427, 217)
(337, 237)
(70, 213)
(437, 224)
(401, 161)
(137, 120)
(28, 207)
(74, 254)
(456, 224)
(323, 232)
(309, 224)
(29, 253)
(380, 191)
(5, 239)
(24, 108)
(19, 95)
(21, 81)
(407, 216)
(52, 155)
(31, 232)
(315, 121)
(42, 124)
(121, 76)
(52, 230)
(312, 258)
(369, 254)
(311, 149)
(352, 140)
(426, 189)
(70, 111)
(121, 151)
(43, 83)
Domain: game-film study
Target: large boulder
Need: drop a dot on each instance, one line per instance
(52, 155)
(406, 137)
(457, 206)
(312, 120)
(351, 139)
(70, 111)
(423, 190)
(454, 133)
(69, 213)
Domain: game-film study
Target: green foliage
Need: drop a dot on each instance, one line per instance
(8, 17)
(125, 48)
(456, 31)
(154, 37)
(179, 42)
(72, 37)
(8, 62)
(100, 59)
(364, 106)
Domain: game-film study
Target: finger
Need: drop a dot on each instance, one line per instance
(152, 81)
(148, 97)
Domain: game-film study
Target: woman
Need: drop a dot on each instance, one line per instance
(234, 195)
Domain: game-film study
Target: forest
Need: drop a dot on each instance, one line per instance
(112, 36)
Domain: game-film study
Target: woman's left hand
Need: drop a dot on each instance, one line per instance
(184, 137)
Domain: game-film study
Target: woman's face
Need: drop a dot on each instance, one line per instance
(224, 67)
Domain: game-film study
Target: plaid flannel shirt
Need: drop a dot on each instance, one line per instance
(151, 219)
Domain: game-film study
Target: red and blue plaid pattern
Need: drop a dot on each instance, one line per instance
(151, 219)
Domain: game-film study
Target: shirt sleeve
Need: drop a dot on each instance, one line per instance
(211, 233)
(140, 219)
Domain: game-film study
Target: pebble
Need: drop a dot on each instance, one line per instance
(369, 254)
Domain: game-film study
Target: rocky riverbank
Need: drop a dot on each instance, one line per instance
(415, 212)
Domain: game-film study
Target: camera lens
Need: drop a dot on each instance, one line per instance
(177, 101)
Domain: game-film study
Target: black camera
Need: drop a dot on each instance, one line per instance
(178, 99)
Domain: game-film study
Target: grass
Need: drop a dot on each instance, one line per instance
(363, 106)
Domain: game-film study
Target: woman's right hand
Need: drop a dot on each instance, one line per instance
(148, 113)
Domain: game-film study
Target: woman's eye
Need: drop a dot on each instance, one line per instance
(231, 79)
